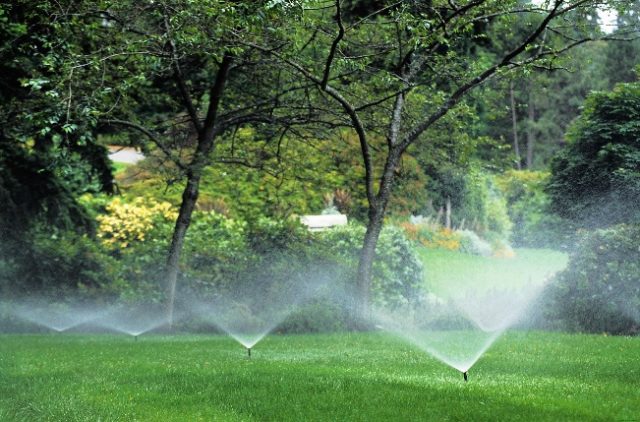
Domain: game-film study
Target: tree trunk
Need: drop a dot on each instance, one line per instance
(189, 198)
(447, 216)
(365, 264)
(374, 227)
(514, 123)
(206, 145)
(531, 139)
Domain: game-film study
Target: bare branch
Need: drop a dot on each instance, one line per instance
(334, 46)
(383, 99)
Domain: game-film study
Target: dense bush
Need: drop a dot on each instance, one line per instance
(600, 289)
(53, 261)
(430, 234)
(596, 179)
(127, 222)
(126, 260)
(397, 271)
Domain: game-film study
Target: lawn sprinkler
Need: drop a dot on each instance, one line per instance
(465, 375)
(249, 351)
(135, 338)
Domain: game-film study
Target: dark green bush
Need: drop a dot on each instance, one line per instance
(52, 261)
(600, 289)
(595, 180)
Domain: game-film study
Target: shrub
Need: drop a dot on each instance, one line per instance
(215, 250)
(600, 289)
(53, 261)
(397, 270)
(319, 316)
(431, 235)
(472, 244)
(124, 223)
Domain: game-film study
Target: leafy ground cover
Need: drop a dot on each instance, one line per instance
(368, 376)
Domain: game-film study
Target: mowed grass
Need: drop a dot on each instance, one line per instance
(450, 271)
(119, 168)
(532, 376)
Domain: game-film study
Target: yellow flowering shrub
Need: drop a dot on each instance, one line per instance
(443, 238)
(127, 222)
(432, 236)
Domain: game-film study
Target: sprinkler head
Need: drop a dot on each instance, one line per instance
(135, 338)
(465, 375)
(249, 351)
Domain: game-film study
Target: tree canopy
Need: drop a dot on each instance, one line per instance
(596, 178)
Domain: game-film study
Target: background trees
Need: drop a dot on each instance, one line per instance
(595, 178)
(421, 73)
(394, 108)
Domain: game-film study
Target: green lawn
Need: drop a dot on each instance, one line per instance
(119, 167)
(449, 271)
(524, 376)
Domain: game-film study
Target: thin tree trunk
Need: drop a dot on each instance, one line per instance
(447, 216)
(365, 266)
(514, 122)
(375, 221)
(189, 199)
(206, 144)
(531, 139)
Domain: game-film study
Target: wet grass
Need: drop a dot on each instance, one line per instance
(448, 271)
(525, 376)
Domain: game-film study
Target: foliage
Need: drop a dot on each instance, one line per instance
(476, 204)
(321, 315)
(528, 205)
(600, 289)
(124, 223)
(595, 181)
(222, 253)
(30, 192)
(56, 262)
(397, 271)
(47, 100)
(472, 244)
(286, 179)
(432, 235)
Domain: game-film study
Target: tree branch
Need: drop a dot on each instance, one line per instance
(455, 98)
(346, 105)
(215, 96)
(334, 46)
(146, 132)
(180, 80)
